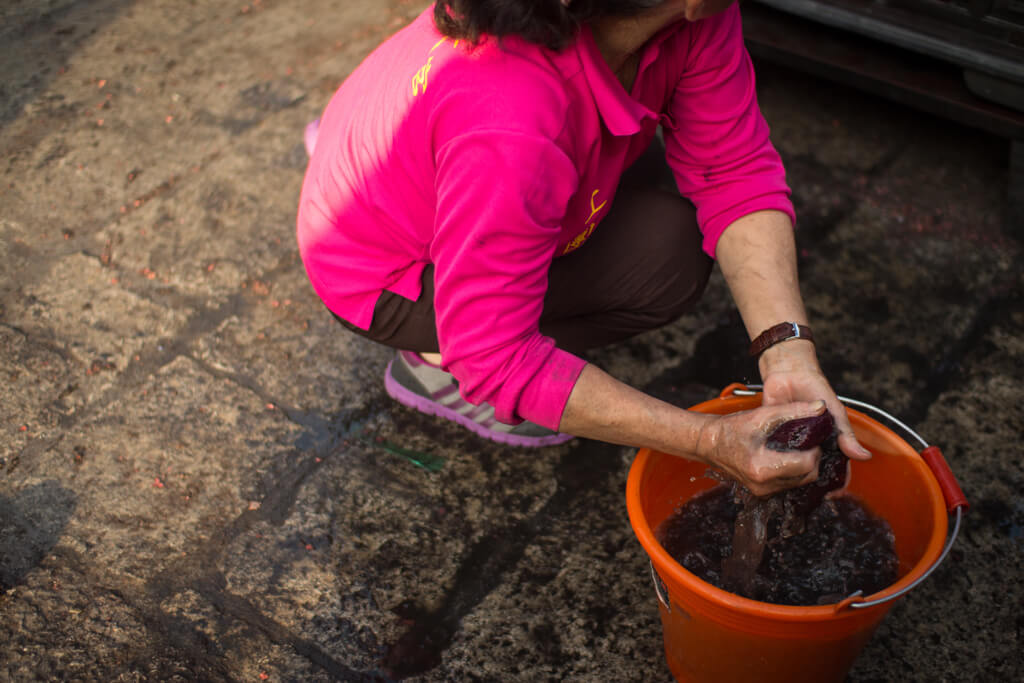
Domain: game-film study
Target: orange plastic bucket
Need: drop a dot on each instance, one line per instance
(712, 635)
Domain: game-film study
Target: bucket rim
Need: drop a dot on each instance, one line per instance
(668, 569)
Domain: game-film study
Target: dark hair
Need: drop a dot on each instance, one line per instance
(544, 22)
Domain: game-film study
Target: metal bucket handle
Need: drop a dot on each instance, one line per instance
(956, 501)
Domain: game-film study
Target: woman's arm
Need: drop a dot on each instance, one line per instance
(600, 407)
(757, 256)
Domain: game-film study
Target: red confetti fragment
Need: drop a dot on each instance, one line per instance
(102, 83)
(270, 406)
(168, 119)
(23, 428)
(99, 122)
(319, 459)
(264, 676)
(309, 546)
(157, 484)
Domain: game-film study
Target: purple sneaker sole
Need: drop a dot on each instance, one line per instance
(410, 398)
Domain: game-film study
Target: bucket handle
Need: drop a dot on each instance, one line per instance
(659, 588)
(956, 501)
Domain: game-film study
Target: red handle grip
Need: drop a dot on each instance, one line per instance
(951, 491)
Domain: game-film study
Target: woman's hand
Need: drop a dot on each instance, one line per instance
(601, 407)
(791, 374)
(794, 387)
(735, 444)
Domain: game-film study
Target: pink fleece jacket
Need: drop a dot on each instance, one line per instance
(491, 160)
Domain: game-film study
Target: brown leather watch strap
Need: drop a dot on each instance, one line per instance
(779, 333)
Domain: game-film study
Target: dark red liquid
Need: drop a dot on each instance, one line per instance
(842, 549)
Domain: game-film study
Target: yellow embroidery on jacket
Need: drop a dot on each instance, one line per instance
(420, 79)
(442, 42)
(595, 209)
(591, 224)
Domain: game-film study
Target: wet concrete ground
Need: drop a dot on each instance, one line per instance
(202, 478)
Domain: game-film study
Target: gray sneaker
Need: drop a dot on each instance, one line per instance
(414, 382)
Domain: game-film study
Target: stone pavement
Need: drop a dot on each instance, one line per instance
(201, 477)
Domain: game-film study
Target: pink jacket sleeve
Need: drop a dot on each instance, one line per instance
(718, 147)
(501, 196)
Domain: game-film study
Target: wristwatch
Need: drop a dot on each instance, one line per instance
(779, 333)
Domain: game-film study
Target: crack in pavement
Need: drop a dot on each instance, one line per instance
(160, 354)
(239, 608)
(939, 375)
(808, 239)
(584, 468)
(200, 572)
